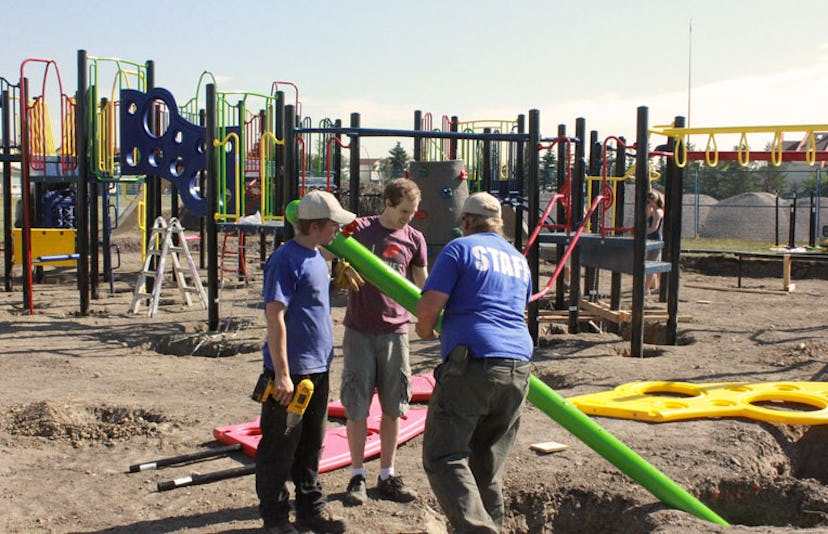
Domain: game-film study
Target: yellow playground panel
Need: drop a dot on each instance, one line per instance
(46, 243)
(791, 403)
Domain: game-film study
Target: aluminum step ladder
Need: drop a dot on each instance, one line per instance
(167, 239)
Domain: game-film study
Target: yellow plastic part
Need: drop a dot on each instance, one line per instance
(810, 149)
(237, 166)
(776, 402)
(682, 135)
(267, 180)
(46, 242)
(711, 145)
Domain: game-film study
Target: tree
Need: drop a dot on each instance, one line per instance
(810, 186)
(770, 179)
(396, 161)
(549, 171)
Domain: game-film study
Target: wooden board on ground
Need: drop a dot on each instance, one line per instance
(548, 446)
(790, 288)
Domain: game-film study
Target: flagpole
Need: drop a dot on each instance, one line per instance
(689, 66)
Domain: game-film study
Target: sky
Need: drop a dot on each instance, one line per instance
(743, 63)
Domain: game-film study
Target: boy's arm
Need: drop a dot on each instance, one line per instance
(419, 275)
(277, 343)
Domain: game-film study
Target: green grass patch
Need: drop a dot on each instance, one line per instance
(728, 244)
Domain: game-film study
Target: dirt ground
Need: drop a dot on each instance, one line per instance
(83, 398)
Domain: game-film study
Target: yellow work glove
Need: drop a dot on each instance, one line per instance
(346, 277)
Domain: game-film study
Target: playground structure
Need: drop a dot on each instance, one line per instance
(227, 170)
(251, 152)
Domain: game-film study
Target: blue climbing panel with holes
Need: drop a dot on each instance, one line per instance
(177, 152)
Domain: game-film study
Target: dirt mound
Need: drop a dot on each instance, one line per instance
(690, 221)
(748, 214)
(80, 425)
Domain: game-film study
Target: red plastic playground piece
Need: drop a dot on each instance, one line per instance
(336, 453)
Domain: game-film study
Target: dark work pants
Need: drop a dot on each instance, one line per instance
(295, 457)
(471, 426)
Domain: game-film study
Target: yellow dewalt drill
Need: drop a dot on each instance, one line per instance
(296, 408)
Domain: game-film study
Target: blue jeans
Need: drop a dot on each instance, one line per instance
(473, 419)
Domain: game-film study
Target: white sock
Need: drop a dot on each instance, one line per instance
(358, 471)
(386, 472)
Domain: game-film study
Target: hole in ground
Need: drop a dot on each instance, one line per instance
(213, 344)
(656, 334)
(576, 510)
(781, 502)
(809, 455)
(554, 381)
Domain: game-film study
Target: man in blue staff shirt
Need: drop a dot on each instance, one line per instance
(482, 285)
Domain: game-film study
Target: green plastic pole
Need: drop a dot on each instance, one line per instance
(596, 437)
(376, 271)
(393, 284)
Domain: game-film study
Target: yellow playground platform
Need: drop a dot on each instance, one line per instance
(792, 403)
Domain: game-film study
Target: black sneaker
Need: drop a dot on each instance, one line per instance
(356, 495)
(281, 526)
(393, 489)
(323, 521)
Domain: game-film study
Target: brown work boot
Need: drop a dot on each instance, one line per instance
(394, 489)
(281, 526)
(323, 521)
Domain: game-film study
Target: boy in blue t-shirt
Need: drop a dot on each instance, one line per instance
(299, 345)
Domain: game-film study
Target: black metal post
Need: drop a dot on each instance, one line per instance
(620, 194)
(639, 243)
(594, 187)
(93, 186)
(673, 215)
(560, 218)
(82, 114)
(418, 146)
(486, 183)
(150, 182)
(354, 167)
(533, 200)
(212, 208)
(520, 182)
(8, 219)
(291, 172)
(337, 160)
(26, 229)
(577, 219)
(453, 141)
(792, 220)
(812, 231)
(776, 220)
